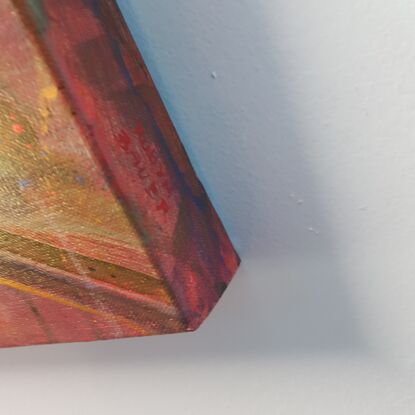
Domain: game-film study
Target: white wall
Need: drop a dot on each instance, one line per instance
(305, 141)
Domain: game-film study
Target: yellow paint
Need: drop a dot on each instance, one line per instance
(69, 303)
(47, 95)
(50, 92)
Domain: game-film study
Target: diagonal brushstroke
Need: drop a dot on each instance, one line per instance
(70, 303)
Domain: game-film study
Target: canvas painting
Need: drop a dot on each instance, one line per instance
(105, 230)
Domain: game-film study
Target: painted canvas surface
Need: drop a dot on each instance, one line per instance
(105, 230)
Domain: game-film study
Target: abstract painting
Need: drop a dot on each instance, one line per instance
(105, 230)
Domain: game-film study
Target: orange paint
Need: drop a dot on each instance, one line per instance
(18, 129)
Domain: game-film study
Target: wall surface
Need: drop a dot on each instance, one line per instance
(300, 118)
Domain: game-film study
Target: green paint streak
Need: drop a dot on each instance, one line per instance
(38, 13)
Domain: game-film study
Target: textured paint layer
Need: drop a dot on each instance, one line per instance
(102, 219)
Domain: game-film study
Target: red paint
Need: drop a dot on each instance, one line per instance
(133, 139)
(18, 129)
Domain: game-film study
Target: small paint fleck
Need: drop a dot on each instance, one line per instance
(214, 75)
(24, 183)
(18, 129)
(80, 180)
(50, 92)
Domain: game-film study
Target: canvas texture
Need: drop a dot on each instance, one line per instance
(105, 230)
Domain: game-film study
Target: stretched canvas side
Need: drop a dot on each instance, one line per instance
(113, 222)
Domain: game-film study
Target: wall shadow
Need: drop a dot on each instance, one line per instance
(244, 135)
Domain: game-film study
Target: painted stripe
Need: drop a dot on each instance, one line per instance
(70, 303)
